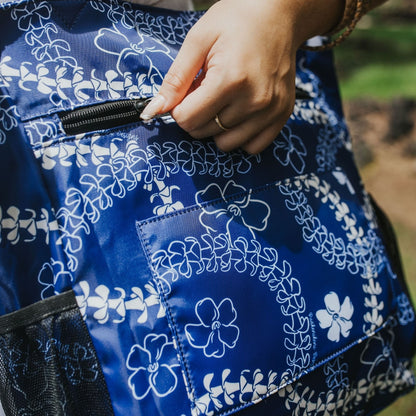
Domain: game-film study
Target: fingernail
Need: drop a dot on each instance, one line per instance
(154, 107)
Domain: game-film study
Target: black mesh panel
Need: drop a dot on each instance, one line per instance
(48, 365)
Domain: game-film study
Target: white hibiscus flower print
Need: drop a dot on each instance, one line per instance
(216, 330)
(238, 207)
(336, 317)
(152, 367)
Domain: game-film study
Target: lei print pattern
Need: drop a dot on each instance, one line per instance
(222, 236)
(8, 114)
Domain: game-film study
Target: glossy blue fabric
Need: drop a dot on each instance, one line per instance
(211, 283)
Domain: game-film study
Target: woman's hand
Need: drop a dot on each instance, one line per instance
(237, 64)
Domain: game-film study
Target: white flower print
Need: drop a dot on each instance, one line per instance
(215, 330)
(152, 367)
(336, 317)
(138, 49)
(54, 277)
(380, 356)
(240, 208)
(290, 150)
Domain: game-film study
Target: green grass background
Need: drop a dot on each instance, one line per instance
(378, 62)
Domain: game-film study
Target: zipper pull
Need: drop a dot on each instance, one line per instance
(140, 106)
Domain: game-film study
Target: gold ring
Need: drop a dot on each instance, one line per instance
(219, 124)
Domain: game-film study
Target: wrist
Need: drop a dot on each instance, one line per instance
(309, 18)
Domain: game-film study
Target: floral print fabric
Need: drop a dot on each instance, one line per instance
(211, 283)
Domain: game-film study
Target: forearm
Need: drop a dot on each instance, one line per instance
(310, 18)
(324, 10)
(371, 3)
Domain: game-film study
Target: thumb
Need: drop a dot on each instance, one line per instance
(178, 80)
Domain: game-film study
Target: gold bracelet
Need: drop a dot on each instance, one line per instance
(353, 15)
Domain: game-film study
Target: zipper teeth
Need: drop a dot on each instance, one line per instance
(96, 111)
(99, 119)
(103, 115)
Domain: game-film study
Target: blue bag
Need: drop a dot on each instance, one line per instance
(146, 273)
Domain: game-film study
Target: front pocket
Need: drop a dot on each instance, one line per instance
(265, 286)
(48, 365)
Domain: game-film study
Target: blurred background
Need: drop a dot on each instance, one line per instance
(377, 74)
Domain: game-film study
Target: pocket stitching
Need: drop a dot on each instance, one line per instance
(173, 326)
(148, 252)
(181, 355)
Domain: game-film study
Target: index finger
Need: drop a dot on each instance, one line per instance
(184, 69)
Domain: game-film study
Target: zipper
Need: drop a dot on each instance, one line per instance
(102, 116)
(111, 114)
